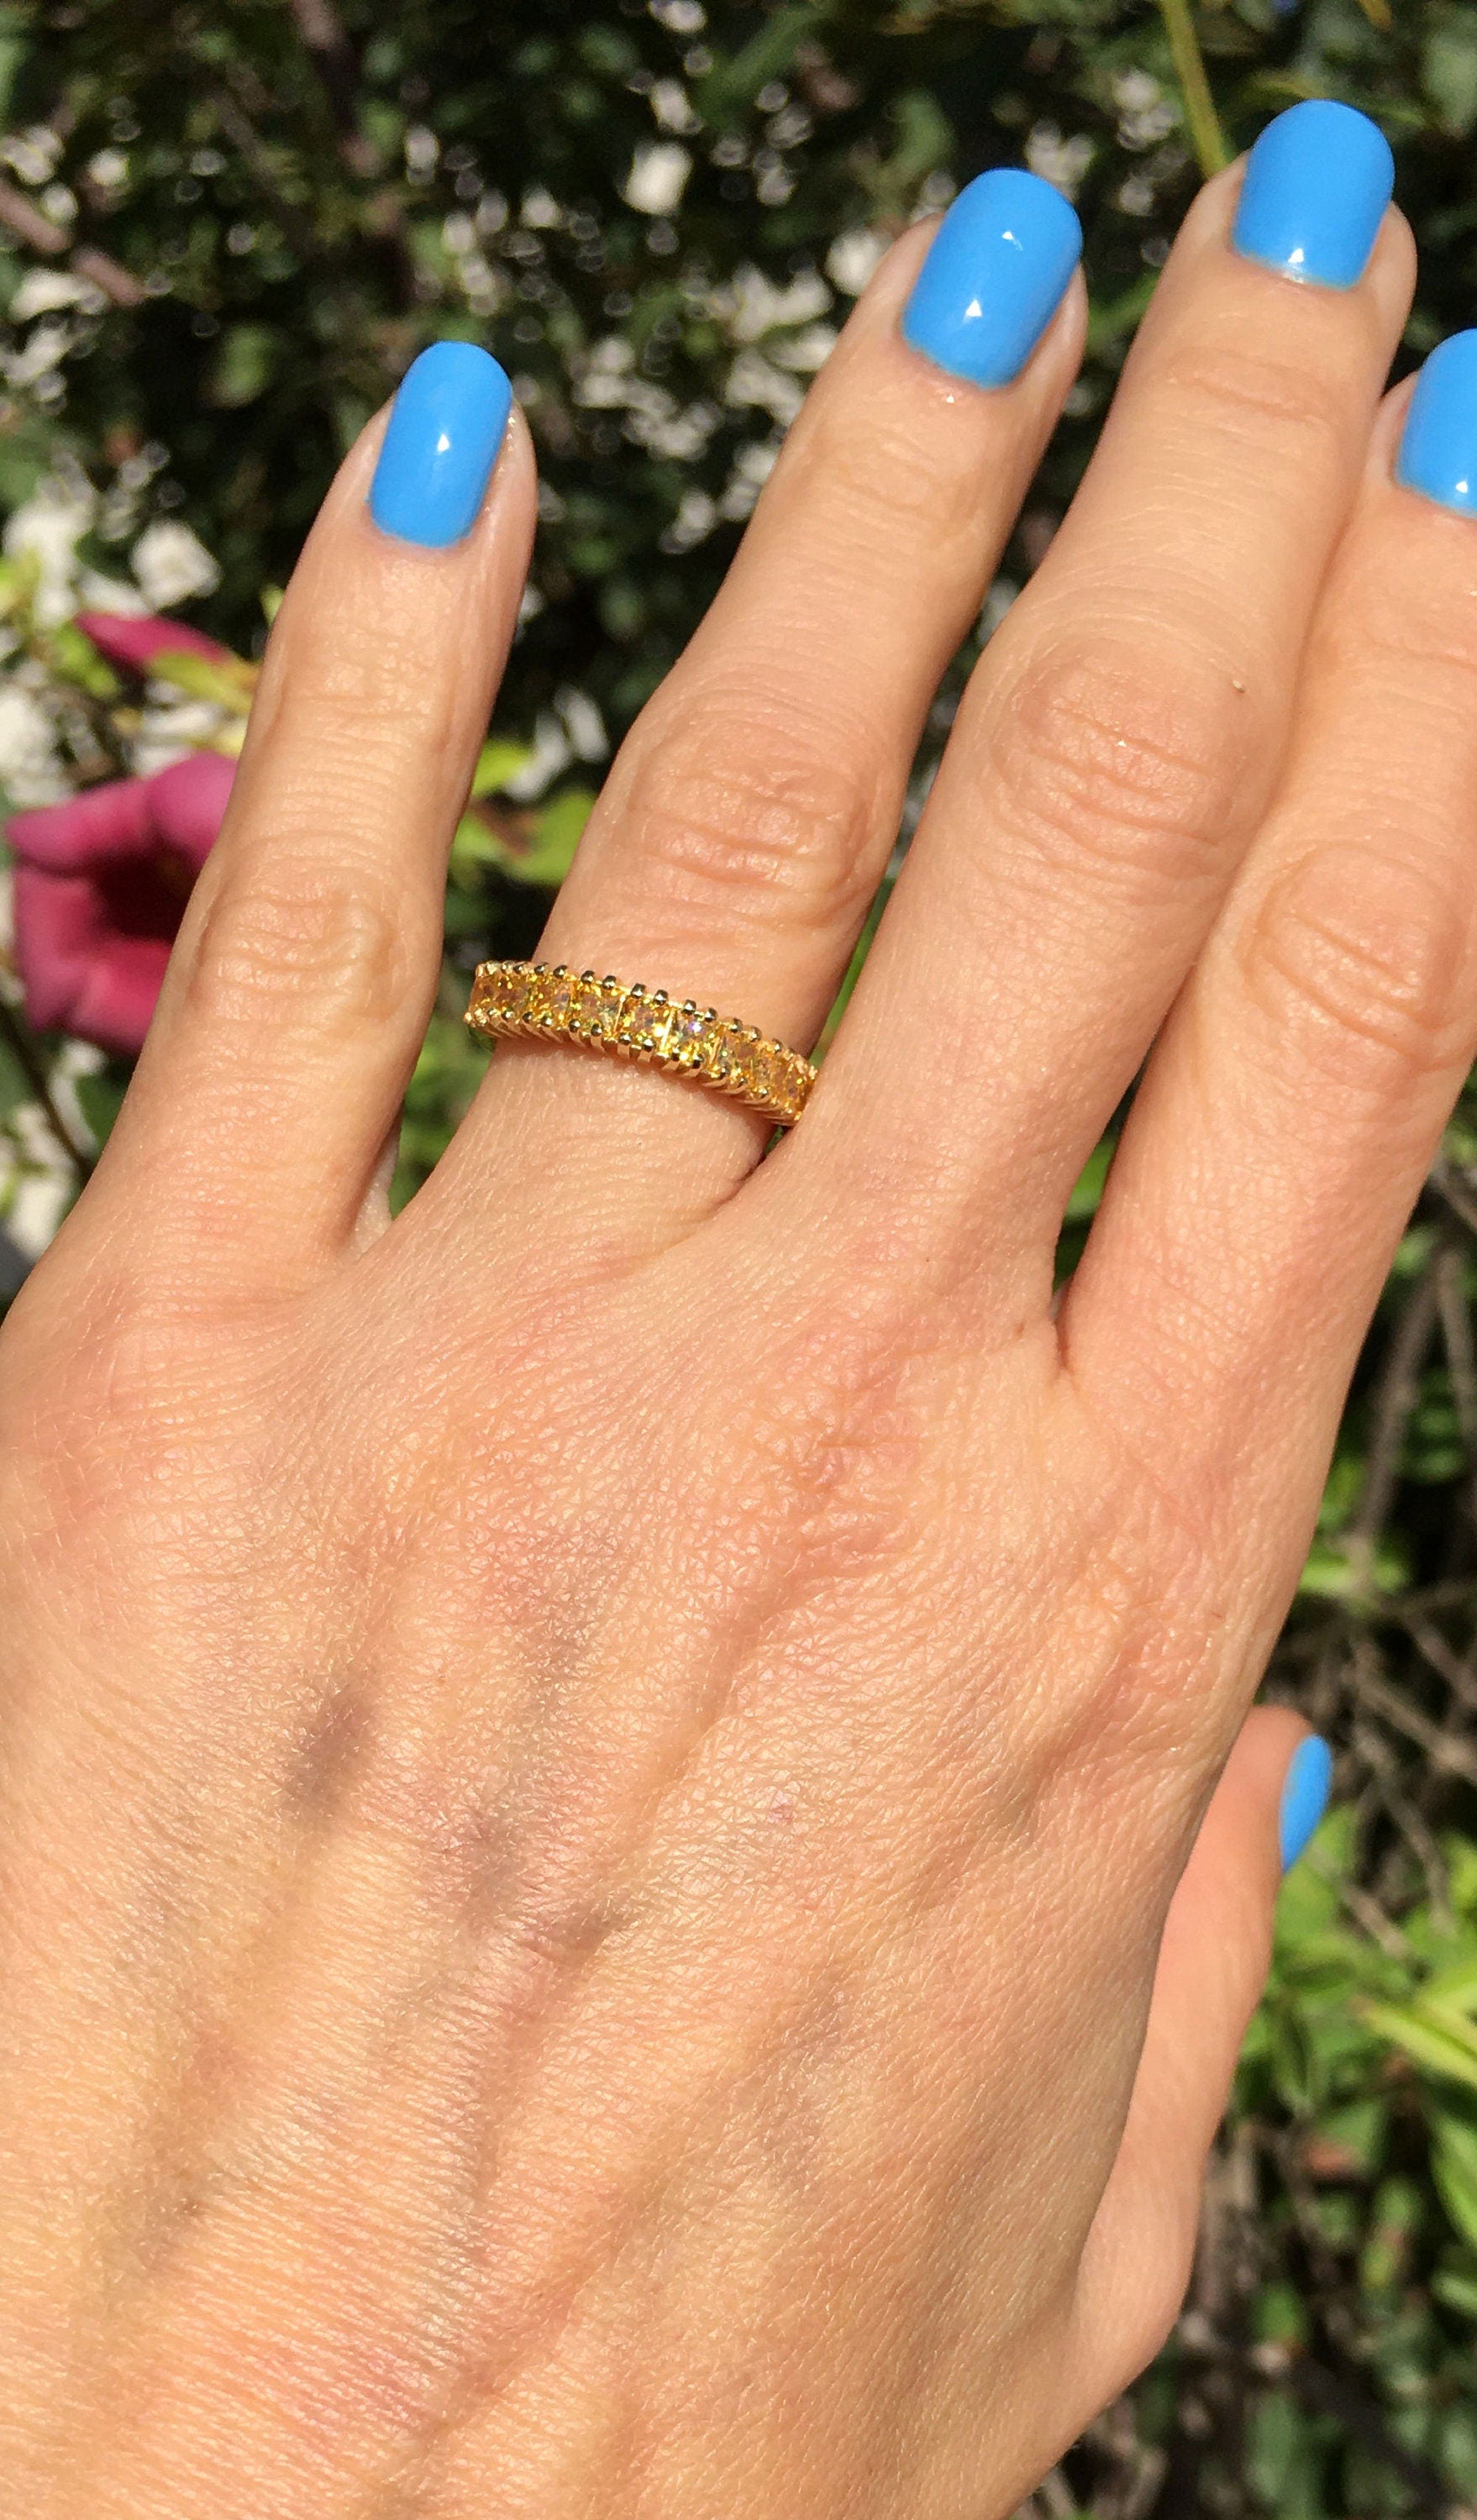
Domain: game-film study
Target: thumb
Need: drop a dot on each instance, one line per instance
(1212, 1963)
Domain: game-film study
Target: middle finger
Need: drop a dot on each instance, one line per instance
(1120, 738)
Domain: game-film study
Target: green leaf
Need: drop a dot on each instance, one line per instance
(228, 682)
(1449, 71)
(1454, 2167)
(1441, 2043)
(1090, 1183)
(498, 761)
(74, 658)
(244, 365)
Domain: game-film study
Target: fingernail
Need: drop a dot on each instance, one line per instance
(1305, 1796)
(1316, 184)
(994, 276)
(445, 428)
(1438, 445)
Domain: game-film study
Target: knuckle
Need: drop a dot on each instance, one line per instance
(738, 809)
(1134, 764)
(1279, 408)
(1362, 955)
(870, 482)
(298, 932)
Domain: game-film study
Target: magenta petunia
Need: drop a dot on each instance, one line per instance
(133, 640)
(101, 885)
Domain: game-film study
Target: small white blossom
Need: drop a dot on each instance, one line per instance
(752, 466)
(753, 380)
(584, 725)
(1059, 160)
(853, 259)
(30, 766)
(751, 304)
(540, 209)
(47, 527)
(659, 174)
(672, 106)
(32, 154)
(552, 753)
(170, 729)
(45, 349)
(806, 351)
(42, 291)
(109, 170)
(171, 563)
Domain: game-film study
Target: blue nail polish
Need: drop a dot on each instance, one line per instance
(1305, 1796)
(1316, 184)
(994, 276)
(1438, 445)
(445, 428)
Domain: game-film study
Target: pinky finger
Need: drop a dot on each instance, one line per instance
(1211, 1965)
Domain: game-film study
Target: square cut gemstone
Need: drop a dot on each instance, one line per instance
(750, 1068)
(718, 1049)
(790, 1079)
(612, 997)
(688, 1037)
(644, 1024)
(540, 983)
(559, 994)
(585, 1003)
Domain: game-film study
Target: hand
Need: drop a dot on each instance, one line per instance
(616, 1897)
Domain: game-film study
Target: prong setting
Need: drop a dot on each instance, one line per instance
(550, 1002)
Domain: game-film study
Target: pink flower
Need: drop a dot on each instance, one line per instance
(133, 640)
(101, 885)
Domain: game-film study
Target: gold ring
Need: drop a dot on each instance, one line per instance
(540, 1002)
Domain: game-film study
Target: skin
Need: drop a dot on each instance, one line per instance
(633, 1853)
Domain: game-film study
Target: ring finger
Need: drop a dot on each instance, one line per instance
(747, 822)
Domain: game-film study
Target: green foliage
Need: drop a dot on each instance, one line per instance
(289, 212)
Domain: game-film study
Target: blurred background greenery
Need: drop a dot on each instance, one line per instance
(223, 235)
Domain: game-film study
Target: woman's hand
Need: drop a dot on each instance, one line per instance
(594, 1777)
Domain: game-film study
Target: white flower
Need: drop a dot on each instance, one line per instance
(808, 350)
(42, 291)
(97, 593)
(31, 767)
(853, 259)
(48, 528)
(750, 305)
(672, 106)
(539, 209)
(753, 380)
(171, 729)
(37, 1184)
(551, 753)
(659, 171)
(46, 349)
(1058, 160)
(170, 563)
(752, 466)
(34, 153)
(584, 725)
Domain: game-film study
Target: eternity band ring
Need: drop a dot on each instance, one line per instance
(548, 1002)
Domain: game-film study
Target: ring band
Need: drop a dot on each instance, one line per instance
(540, 1002)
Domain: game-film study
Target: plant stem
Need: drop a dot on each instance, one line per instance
(23, 1051)
(1210, 143)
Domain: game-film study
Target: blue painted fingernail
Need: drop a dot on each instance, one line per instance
(445, 428)
(1316, 184)
(1305, 1796)
(994, 276)
(1438, 445)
